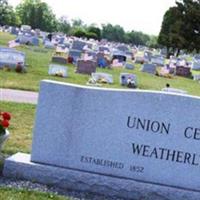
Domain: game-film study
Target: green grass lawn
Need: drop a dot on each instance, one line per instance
(13, 194)
(37, 70)
(21, 126)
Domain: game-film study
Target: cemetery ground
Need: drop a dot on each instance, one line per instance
(38, 60)
(9, 193)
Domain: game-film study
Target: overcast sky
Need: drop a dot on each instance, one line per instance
(139, 15)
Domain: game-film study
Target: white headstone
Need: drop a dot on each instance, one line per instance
(112, 138)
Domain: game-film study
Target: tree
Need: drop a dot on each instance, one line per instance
(181, 27)
(191, 16)
(79, 32)
(137, 38)
(7, 16)
(37, 14)
(64, 25)
(113, 33)
(94, 31)
(77, 22)
(153, 42)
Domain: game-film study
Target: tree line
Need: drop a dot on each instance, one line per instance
(180, 28)
(39, 15)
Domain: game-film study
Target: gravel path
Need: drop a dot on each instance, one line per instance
(73, 195)
(18, 96)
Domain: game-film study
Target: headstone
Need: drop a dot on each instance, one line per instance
(196, 66)
(181, 62)
(196, 77)
(11, 58)
(158, 60)
(102, 77)
(59, 59)
(57, 70)
(129, 55)
(35, 41)
(104, 48)
(121, 57)
(75, 54)
(78, 45)
(149, 68)
(123, 48)
(196, 58)
(86, 66)
(139, 59)
(116, 63)
(128, 79)
(129, 66)
(26, 28)
(93, 54)
(28, 40)
(147, 56)
(122, 143)
(102, 61)
(49, 45)
(14, 30)
(183, 71)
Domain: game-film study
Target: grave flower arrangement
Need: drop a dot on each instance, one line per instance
(4, 122)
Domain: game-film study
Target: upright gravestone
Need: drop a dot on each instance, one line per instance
(58, 70)
(131, 144)
(86, 67)
(11, 58)
(149, 68)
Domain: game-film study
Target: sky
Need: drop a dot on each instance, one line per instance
(138, 15)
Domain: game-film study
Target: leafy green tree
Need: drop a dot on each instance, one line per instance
(190, 10)
(37, 14)
(77, 23)
(79, 32)
(64, 25)
(113, 33)
(152, 42)
(137, 38)
(181, 27)
(91, 35)
(7, 14)
(94, 31)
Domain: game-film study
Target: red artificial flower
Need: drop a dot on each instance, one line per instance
(6, 116)
(5, 123)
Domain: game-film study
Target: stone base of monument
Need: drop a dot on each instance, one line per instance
(19, 166)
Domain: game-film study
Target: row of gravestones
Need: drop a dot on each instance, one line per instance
(27, 35)
(126, 79)
(99, 57)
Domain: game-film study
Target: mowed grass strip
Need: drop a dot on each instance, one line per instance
(21, 127)
(15, 194)
(38, 64)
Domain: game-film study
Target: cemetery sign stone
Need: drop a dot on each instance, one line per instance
(113, 141)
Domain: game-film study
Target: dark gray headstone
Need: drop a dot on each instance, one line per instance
(59, 59)
(129, 66)
(149, 68)
(86, 66)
